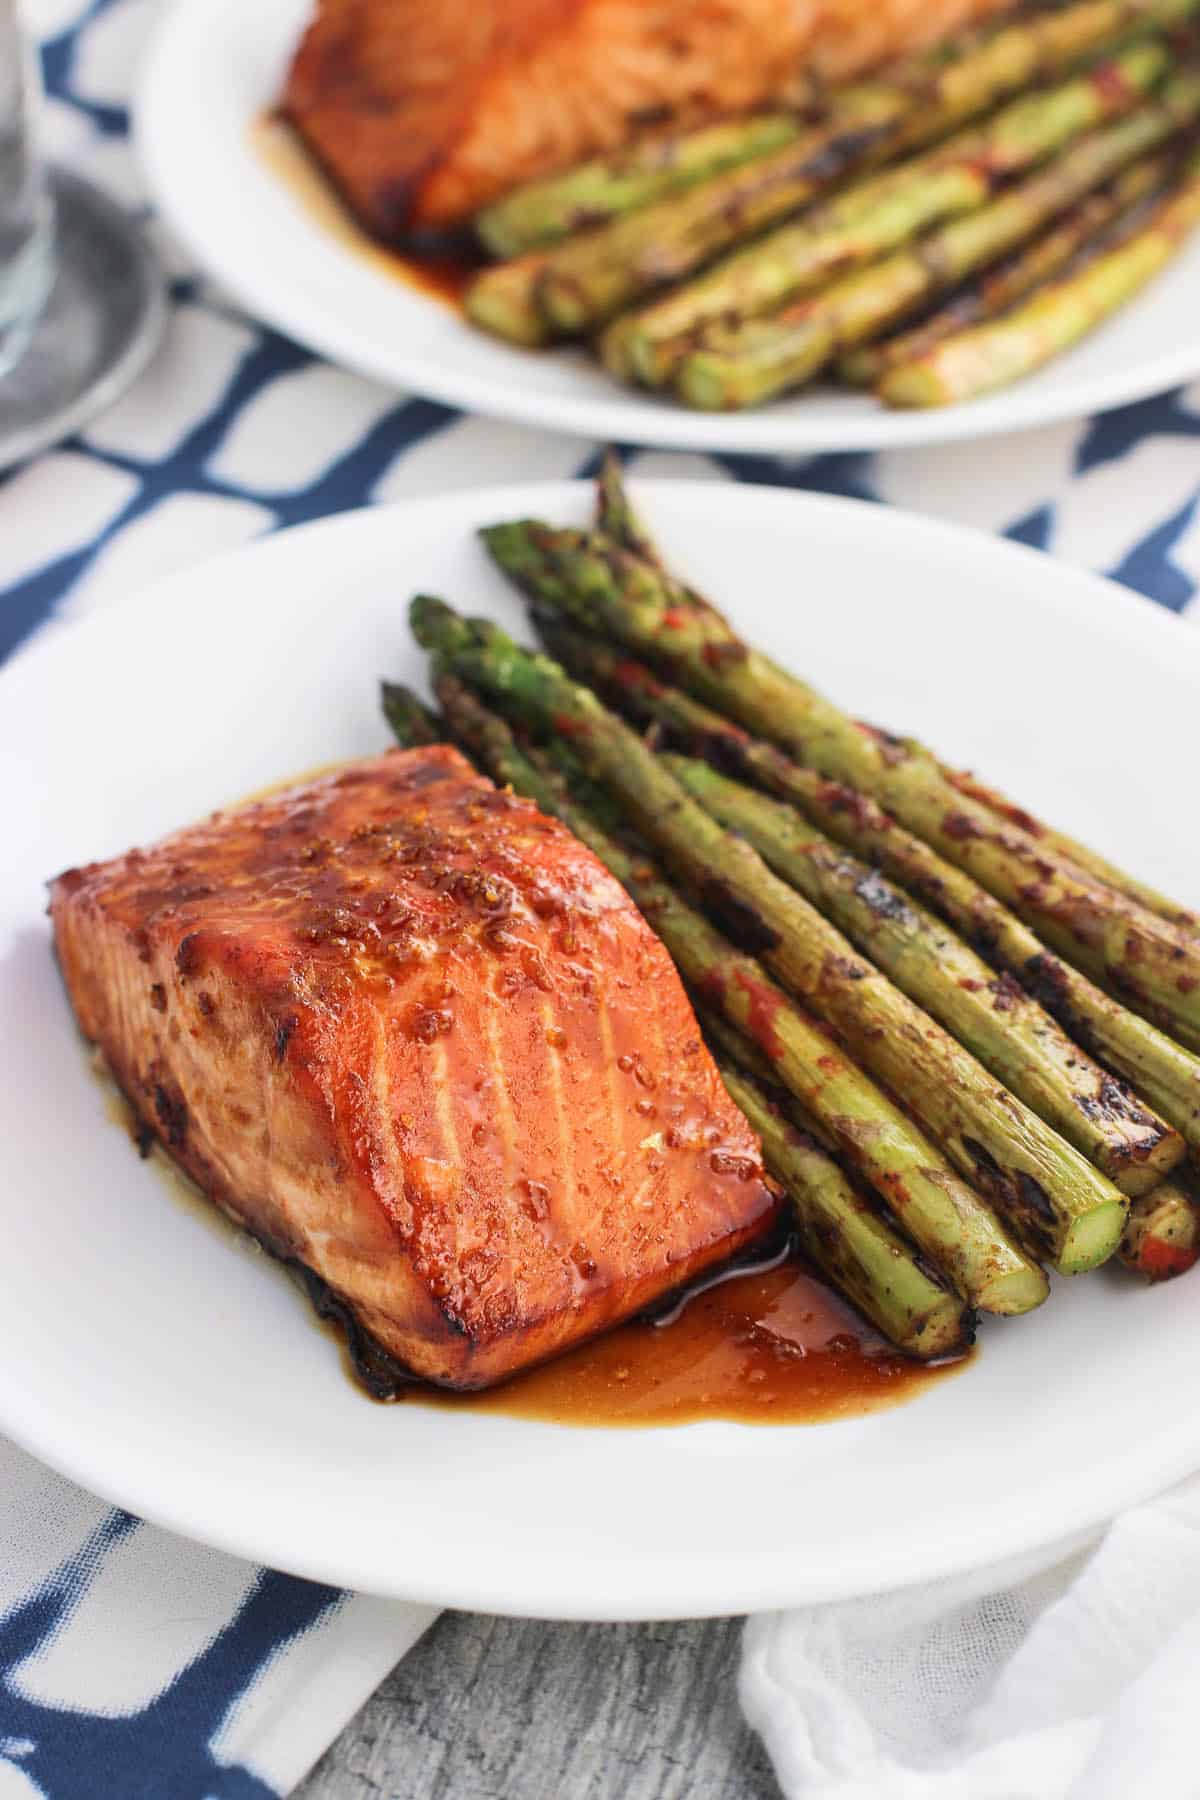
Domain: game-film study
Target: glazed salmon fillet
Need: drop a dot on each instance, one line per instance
(423, 114)
(410, 1032)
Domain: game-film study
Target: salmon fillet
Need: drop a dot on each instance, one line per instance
(422, 114)
(412, 1034)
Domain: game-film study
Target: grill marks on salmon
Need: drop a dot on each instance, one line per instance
(410, 1033)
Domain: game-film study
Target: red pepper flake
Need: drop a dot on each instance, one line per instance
(762, 1014)
(1161, 1260)
(897, 1193)
(1111, 85)
(720, 656)
(635, 675)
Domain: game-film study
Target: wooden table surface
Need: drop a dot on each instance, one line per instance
(504, 1709)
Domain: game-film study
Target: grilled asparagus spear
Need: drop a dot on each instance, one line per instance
(992, 355)
(1166, 1075)
(855, 1247)
(590, 277)
(991, 1015)
(847, 1239)
(740, 365)
(1155, 967)
(1048, 1191)
(543, 212)
(1000, 287)
(1072, 849)
(617, 518)
(616, 515)
(1162, 1232)
(879, 214)
(941, 1213)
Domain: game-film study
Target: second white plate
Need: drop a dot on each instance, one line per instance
(217, 67)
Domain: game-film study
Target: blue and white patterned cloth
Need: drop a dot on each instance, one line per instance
(133, 1666)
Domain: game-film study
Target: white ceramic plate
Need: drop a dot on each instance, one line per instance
(143, 1352)
(217, 65)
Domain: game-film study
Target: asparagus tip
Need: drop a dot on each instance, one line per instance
(504, 532)
(430, 619)
(411, 721)
(510, 544)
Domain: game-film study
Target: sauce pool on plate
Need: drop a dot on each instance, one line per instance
(766, 1346)
(280, 152)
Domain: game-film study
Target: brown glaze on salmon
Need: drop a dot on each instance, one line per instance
(410, 1032)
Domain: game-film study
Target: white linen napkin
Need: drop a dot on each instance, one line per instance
(1068, 1675)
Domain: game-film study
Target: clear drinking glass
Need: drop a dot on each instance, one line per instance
(26, 216)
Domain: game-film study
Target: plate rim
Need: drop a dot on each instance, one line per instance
(636, 420)
(886, 1568)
